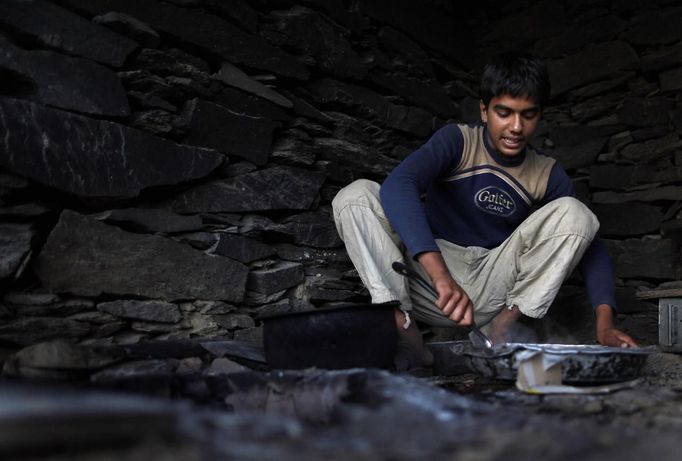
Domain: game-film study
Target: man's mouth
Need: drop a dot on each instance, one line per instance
(512, 143)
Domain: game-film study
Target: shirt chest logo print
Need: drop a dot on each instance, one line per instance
(495, 201)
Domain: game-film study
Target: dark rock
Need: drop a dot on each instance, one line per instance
(661, 59)
(199, 240)
(314, 229)
(15, 249)
(66, 308)
(580, 134)
(152, 87)
(130, 27)
(69, 83)
(214, 126)
(594, 61)
(62, 355)
(238, 11)
(305, 109)
(154, 311)
(242, 249)
(628, 219)
(55, 27)
(656, 27)
(578, 156)
(295, 253)
(156, 328)
(595, 107)
(209, 33)
(650, 150)
(359, 158)
(30, 298)
(628, 303)
(12, 181)
(644, 112)
(429, 95)
(649, 132)
(224, 366)
(292, 151)
(93, 158)
(337, 11)
(233, 76)
(175, 62)
(136, 369)
(542, 19)
(151, 220)
(32, 330)
(159, 122)
(276, 188)
(231, 170)
(370, 105)
(603, 86)
(234, 321)
(247, 104)
(29, 210)
(306, 32)
(397, 43)
(250, 335)
(671, 193)
(281, 276)
(644, 258)
(671, 80)
(123, 259)
(624, 177)
(573, 38)
(335, 172)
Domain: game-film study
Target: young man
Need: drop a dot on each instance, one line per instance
(490, 221)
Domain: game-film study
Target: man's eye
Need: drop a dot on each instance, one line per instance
(530, 115)
(503, 113)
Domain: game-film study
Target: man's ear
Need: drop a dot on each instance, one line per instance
(484, 111)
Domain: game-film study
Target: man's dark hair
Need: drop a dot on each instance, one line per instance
(515, 74)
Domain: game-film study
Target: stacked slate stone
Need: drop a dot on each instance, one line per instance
(167, 167)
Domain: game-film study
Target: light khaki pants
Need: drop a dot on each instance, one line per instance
(526, 270)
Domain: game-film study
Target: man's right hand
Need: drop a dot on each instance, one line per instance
(452, 299)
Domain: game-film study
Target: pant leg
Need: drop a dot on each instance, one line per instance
(528, 268)
(371, 243)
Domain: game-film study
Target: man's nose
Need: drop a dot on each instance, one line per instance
(517, 124)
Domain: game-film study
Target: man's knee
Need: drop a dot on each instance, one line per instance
(360, 192)
(577, 215)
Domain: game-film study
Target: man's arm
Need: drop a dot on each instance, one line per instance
(607, 333)
(452, 299)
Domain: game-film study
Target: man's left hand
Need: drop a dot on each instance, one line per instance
(615, 338)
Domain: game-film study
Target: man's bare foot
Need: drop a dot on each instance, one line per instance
(411, 353)
(500, 328)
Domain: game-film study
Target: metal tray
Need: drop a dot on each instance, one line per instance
(580, 363)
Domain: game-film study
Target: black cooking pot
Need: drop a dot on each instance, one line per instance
(343, 336)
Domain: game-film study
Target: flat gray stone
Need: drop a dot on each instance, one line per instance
(123, 260)
(15, 248)
(650, 150)
(573, 38)
(234, 321)
(242, 249)
(313, 229)
(130, 27)
(293, 151)
(628, 219)
(310, 35)
(634, 258)
(159, 122)
(62, 355)
(428, 95)
(645, 112)
(296, 253)
(396, 42)
(234, 76)
(370, 105)
(276, 188)
(661, 59)
(32, 330)
(609, 176)
(210, 33)
(75, 84)
(594, 62)
(656, 27)
(55, 27)
(216, 127)
(153, 311)
(671, 80)
(237, 10)
(93, 158)
(151, 220)
(279, 277)
(578, 156)
(360, 158)
(671, 193)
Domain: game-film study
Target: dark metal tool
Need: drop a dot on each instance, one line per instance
(478, 338)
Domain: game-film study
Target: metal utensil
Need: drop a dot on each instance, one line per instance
(478, 338)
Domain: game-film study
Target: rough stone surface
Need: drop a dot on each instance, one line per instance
(153, 311)
(250, 105)
(652, 149)
(209, 33)
(32, 330)
(276, 188)
(123, 259)
(628, 219)
(242, 249)
(661, 59)
(151, 220)
(578, 156)
(644, 258)
(92, 158)
(359, 158)
(595, 61)
(314, 229)
(671, 80)
(235, 77)
(657, 27)
(218, 128)
(645, 112)
(271, 280)
(55, 27)
(583, 33)
(69, 83)
(130, 27)
(413, 56)
(649, 195)
(15, 248)
(627, 176)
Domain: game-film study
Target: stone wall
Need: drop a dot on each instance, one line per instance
(167, 167)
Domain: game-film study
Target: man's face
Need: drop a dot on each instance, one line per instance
(511, 122)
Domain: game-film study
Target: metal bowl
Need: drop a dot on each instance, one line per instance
(580, 363)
